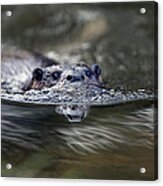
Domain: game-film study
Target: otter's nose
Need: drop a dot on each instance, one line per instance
(72, 78)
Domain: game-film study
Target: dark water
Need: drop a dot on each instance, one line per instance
(112, 142)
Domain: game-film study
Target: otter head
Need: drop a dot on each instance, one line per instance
(60, 75)
(76, 75)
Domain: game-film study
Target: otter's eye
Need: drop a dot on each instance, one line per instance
(96, 69)
(56, 75)
(69, 77)
(88, 73)
(38, 74)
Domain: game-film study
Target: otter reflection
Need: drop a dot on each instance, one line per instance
(105, 129)
(74, 113)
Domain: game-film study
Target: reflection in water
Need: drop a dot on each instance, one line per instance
(36, 134)
(111, 132)
(110, 129)
(74, 113)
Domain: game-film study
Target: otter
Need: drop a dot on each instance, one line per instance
(60, 75)
(71, 88)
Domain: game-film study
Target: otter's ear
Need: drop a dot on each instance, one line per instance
(37, 74)
(97, 70)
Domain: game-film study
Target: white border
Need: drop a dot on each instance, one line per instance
(68, 182)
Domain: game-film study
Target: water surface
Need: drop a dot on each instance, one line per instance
(114, 143)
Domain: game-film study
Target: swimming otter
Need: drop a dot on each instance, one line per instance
(64, 74)
(72, 88)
